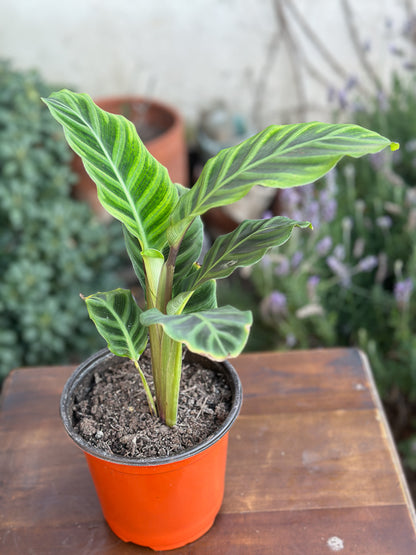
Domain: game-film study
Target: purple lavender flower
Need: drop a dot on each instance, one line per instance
(313, 213)
(307, 192)
(367, 264)
(266, 261)
(366, 46)
(342, 99)
(283, 268)
(384, 222)
(340, 270)
(324, 245)
(339, 252)
(312, 284)
(273, 306)
(277, 303)
(290, 199)
(329, 210)
(402, 292)
(296, 259)
(395, 50)
(377, 160)
(313, 281)
(351, 82)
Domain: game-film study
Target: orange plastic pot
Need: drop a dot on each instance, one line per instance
(161, 503)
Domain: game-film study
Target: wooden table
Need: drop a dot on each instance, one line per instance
(312, 467)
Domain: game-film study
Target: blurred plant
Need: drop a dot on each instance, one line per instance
(351, 281)
(50, 246)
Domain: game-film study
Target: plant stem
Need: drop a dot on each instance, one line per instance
(149, 397)
(167, 368)
(164, 293)
(155, 336)
(166, 353)
(172, 369)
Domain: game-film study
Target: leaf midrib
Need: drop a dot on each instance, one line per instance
(252, 166)
(221, 258)
(121, 181)
(123, 328)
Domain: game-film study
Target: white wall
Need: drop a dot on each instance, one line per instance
(191, 52)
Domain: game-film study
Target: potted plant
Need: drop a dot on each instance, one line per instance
(141, 500)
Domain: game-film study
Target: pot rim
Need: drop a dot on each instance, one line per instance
(98, 359)
(112, 104)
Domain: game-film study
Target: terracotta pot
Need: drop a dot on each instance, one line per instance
(160, 127)
(162, 503)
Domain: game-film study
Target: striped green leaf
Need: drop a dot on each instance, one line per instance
(131, 185)
(281, 156)
(244, 246)
(117, 318)
(217, 334)
(188, 254)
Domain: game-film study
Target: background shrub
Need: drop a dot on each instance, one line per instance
(51, 247)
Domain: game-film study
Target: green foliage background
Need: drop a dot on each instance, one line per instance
(51, 247)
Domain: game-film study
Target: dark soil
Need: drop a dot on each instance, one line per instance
(114, 415)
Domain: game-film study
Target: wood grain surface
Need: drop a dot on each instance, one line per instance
(312, 468)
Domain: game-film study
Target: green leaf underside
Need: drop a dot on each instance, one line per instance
(280, 156)
(245, 246)
(191, 245)
(134, 251)
(131, 185)
(217, 334)
(203, 298)
(190, 249)
(117, 318)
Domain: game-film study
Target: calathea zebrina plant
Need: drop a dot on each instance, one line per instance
(164, 232)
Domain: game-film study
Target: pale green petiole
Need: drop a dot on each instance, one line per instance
(149, 396)
(171, 376)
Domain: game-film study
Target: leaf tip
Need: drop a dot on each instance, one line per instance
(394, 146)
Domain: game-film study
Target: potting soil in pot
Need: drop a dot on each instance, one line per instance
(112, 414)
